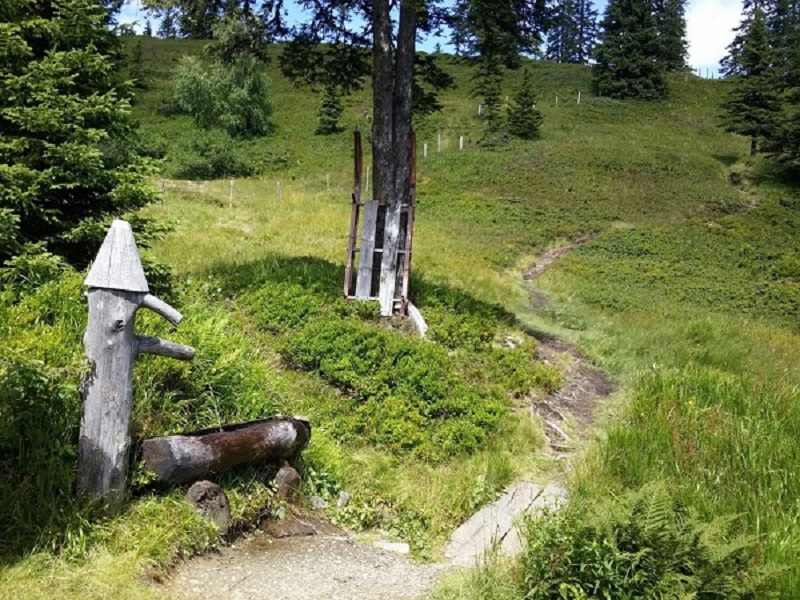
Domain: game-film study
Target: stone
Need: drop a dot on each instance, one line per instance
(344, 500)
(496, 523)
(288, 482)
(211, 503)
(318, 503)
(396, 547)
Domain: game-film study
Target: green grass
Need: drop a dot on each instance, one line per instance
(688, 297)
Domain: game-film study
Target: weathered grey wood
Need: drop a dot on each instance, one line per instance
(367, 250)
(418, 320)
(117, 265)
(182, 458)
(107, 394)
(391, 241)
(154, 345)
(111, 347)
(162, 308)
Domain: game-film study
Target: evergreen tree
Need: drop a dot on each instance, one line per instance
(67, 163)
(488, 80)
(753, 105)
(628, 64)
(330, 111)
(524, 119)
(671, 27)
(573, 32)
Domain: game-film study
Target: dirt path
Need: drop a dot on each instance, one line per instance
(319, 561)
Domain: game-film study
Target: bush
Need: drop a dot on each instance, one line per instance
(230, 96)
(644, 545)
(41, 364)
(405, 394)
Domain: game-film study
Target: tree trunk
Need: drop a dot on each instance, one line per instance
(393, 93)
(203, 454)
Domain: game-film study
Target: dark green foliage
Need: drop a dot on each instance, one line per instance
(524, 119)
(671, 26)
(67, 159)
(330, 111)
(215, 158)
(573, 32)
(628, 58)
(487, 87)
(406, 394)
(643, 545)
(753, 106)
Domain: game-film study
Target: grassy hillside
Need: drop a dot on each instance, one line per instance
(688, 295)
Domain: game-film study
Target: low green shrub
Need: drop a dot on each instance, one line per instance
(642, 545)
(214, 156)
(405, 394)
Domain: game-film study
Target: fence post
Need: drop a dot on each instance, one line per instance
(117, 289)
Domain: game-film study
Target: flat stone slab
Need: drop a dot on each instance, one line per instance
(498, 522)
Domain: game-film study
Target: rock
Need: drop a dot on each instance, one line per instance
(396, 547)
(344, 500)
(211, 502)
(288, 527)
(497, 522)
(318, 503)
(288, 482)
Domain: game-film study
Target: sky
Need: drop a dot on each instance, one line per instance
(709, 25)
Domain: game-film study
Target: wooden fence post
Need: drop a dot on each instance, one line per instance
(117, 289)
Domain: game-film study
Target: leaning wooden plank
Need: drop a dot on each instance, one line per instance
(391, 241)
(366, 253)
(200, 455)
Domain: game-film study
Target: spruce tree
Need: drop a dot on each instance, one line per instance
(524, 119)
(330, 111)
(753, 106)
(67, 158)
(628, 64)
(671, 26)
(487, 87)
(573, 32)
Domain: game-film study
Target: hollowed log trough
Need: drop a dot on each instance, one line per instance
(203, 454)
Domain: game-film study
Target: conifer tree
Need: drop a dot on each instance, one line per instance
(524, 119)
(330, 111)
(628, 64)
(573, 32)
(671, 27)
(67, 159)
(753, 106)
(488, 81)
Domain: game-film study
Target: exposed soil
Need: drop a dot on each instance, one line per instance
(548, 257)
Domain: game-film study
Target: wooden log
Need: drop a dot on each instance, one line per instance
(199, 455)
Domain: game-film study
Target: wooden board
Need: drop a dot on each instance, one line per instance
(367, 250)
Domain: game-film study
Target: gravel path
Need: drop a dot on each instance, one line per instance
(317, 567)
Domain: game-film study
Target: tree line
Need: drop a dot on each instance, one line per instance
(70, 158)
(764, 63)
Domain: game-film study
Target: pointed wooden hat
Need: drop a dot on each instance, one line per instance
(117, 265)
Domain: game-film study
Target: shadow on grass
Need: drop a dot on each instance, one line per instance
(326, 280)
(39, 511)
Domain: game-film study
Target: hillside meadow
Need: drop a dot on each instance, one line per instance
(688, 294)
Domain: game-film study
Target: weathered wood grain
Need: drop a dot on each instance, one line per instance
(182, 458)
(367, 250)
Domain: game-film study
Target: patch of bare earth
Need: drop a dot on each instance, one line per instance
(572, 407)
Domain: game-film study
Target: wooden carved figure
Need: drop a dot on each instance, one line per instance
(117, 289)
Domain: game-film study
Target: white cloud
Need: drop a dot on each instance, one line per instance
(709, 28)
